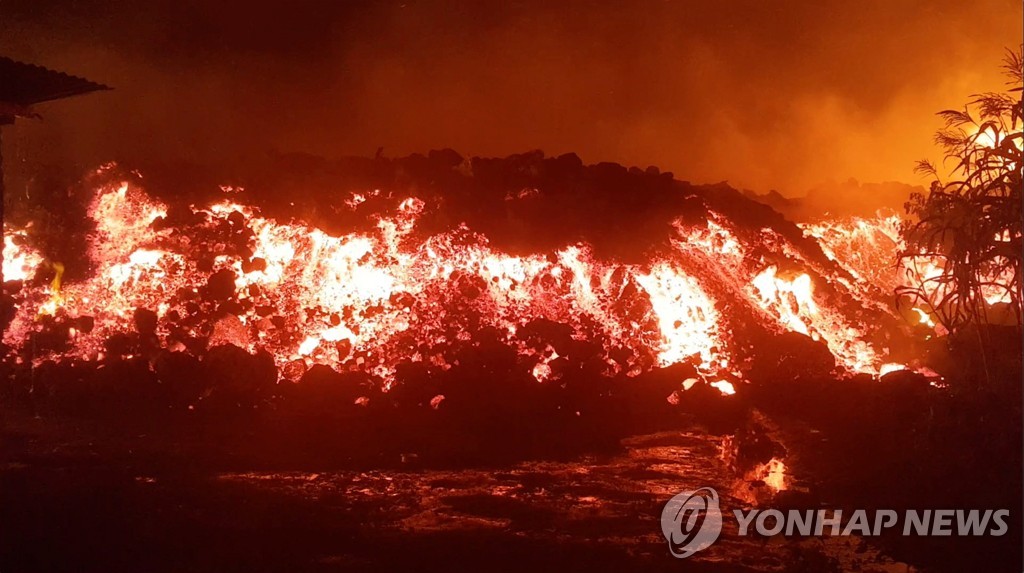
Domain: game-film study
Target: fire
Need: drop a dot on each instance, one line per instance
(368, 301)
(725, 387)
(56, 299)
(890, 367)
(924, 317)
(772, 473)
(686, 316)
(926, 272)
(865, 247)
(791, 299)
(868, 248)
(20, 261)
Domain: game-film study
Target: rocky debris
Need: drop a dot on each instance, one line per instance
(237, 377)
(790, 356)
(220, 286)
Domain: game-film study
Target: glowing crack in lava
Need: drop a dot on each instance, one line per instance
(370, 301)
(868, 248)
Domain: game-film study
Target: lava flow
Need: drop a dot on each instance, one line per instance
(370, 301)
(868, 249)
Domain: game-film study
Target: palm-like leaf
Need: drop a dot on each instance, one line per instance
(971, 224)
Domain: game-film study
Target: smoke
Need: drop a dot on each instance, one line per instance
(760, 94)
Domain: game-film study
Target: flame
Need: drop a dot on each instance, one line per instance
(56, 299)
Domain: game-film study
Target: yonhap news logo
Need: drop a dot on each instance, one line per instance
(692, 521)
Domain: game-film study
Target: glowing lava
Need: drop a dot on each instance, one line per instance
(370, 301)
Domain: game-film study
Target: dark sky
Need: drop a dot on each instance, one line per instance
(764, 94)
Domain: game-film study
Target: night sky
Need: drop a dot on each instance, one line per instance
(761, 95)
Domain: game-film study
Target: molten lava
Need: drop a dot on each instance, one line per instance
(370, 301)
(868, 248)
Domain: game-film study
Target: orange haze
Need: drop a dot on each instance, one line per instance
(757, 93)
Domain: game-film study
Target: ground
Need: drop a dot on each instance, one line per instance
(81, 496)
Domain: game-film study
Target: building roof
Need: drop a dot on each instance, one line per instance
(26, 84)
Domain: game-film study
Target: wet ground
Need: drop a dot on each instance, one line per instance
(71, 504)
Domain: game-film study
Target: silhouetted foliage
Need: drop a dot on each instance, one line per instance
(967, 238)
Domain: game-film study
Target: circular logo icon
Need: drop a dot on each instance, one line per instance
(691, 521)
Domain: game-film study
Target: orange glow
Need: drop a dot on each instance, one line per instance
(868, 249)
(726, 388)
(686, 316)
(924, 317)
(792, 298)
(368, 301)
(865, 247)
(772, 473)
(20, 262)
(890, 367)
